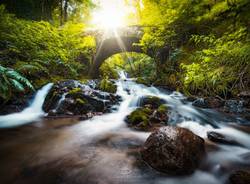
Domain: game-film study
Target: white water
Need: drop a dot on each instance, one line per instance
(181, 113)
(30, 114)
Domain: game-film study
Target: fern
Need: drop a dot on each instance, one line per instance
(31, 68)
(11, 82)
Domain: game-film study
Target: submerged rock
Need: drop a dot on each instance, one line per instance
(209, 102)
(234, 106)
(240, 177)
(173, 150)
(220, 138)
(74, 98)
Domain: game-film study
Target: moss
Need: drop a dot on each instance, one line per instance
(162, 109)
(140, 115)
(41, 82)
(81, 101)
(107, 86)
(144, 81)
(154, 101)
(74, 91)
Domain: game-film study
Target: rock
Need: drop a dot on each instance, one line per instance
(240, 177)
(139, 118)
(74, 98)
(209, 102)
(107, 86)
(191, 98)
(153, 101)
(146, 118)
(160, 115)
(16, 104)
(220, 138)
(244, 94)
(214, 102)
(173, 150)
(234, 106)
(144, 81)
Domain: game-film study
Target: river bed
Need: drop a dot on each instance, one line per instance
(103, 150)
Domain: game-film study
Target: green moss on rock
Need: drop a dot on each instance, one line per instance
(140, 115)
(107, 86)
(74, 91)
(153, 101)
(144, 81)
(81, 101)
(162, 109)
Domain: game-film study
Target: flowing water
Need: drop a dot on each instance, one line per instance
(104, 150)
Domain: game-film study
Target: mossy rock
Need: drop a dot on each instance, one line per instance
(107, 86)
(162, 109)
(81, 101)
(143, 81)
(160, 115)
(153, 101)
(74, 91)
(138, 116)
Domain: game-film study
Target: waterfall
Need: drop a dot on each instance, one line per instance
(29, 114)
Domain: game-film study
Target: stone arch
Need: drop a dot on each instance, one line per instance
(112, 46)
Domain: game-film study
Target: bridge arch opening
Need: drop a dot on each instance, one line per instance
(111, 46)
(137, 65)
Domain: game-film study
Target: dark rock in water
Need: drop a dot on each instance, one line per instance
(220, 138)
(210, 102)
(234, 106)
(146, 118)
(152, 101)
(240, 177)
(17, 104)
(191, 98)
(74, 98)
(200, 102)
(173, 150)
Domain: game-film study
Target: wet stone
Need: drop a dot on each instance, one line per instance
(173, 150)
(220, 138)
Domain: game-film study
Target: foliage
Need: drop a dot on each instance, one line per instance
(136, 65)
(208, 41)
(11, 81)
(56, 11)
(221, 66)
(107, 85)
(40, 50)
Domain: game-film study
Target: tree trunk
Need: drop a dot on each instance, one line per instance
(61, 12)
(66, 10)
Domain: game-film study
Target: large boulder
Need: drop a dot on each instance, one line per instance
(173, 150)
(75, 98)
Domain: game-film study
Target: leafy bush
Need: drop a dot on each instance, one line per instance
(222, 65)
(11, 82)
(41, 51)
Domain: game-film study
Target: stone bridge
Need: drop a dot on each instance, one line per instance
(110, 43)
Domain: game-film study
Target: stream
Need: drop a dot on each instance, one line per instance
(103, 150)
